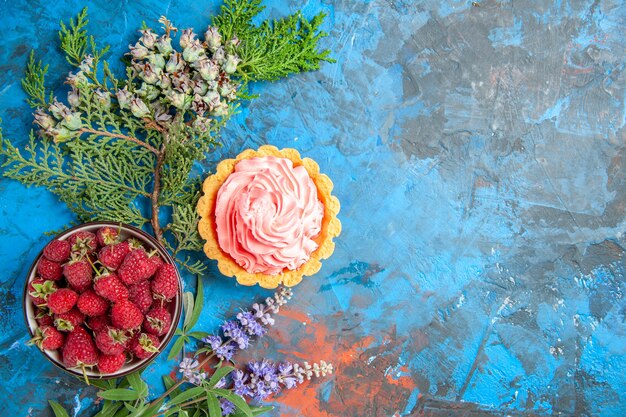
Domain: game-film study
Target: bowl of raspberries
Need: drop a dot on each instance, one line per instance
(102, 300)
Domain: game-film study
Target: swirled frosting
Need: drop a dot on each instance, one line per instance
(267, 214)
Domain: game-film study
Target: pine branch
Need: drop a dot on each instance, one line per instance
(74, 39)
(275, 48)
(33, 82)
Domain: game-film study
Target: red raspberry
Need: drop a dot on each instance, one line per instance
(110, 287)
(39, 290)
(47, 338)
(141, 295)
(108, 364)
(135, 268)
(125, 315)
(67, 322)
(78, 273)
(165, 284)
(155, 263)
(112, 341)
(98, 323)
(62, 300)
(91, 304)
(79, 349)
(44, 319)
(107, 235)
(48, 269)
(83, 242)
(57, 250)
(158, 321)
(111, 256)
(145, 345)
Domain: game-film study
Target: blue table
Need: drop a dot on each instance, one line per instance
(479, 154)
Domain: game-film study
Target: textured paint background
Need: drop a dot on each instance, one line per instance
(479, 156)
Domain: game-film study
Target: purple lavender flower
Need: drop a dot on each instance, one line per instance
(240, 387)
(227, 407)
(223, 351)
(186, 366)
(249, 323)
(233, 330)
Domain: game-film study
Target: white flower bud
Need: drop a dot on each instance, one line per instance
(230, 66)
(73, 97)
(138, 51)
(207, 69)
(187, 38)
(148, 38)
(157, 60)
(103, 98)
(175, 63)
(212, 38)
(193, 52)
(43, 119)
(139, 108)
(164, 45)
(123, 98)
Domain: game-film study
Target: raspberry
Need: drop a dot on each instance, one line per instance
(141, 295)
(48, 269)
(79, 349)
(47, 338)
(110, 287)
(62, 300)
(108, 364)
(107, 235)
(145, 345)
(98, 323)
(165, 284)
(125, 315)
(135, 268)
(44, 319)
(39, 290)
(78, 273)
(57, 250)
(157, 321)
(83, 242)
(67, 322)
(112, 341)
(91, 304)
(155, 263)
(111, 256)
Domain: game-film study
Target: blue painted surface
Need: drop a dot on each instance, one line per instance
(478, 153)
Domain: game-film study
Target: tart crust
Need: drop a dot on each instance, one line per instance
(331, 226)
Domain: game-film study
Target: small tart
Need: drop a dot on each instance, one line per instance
(331, 226)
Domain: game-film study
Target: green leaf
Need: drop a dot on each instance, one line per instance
(119, 394)
(213, 405)
(171, 411)
(108, 409)
(58, 410)
(138, 384)
(237, 401)
(152, 410)
(220, 373)
(187, 308)
(177, 347)
(187, 395)
(257, 411)
(198, 335)
(198, 305)
(123, 412)
(103, 384)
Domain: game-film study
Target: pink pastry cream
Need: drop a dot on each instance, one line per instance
(267, 215)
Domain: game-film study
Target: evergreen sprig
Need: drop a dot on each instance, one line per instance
(123, 148)
(275, 48)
